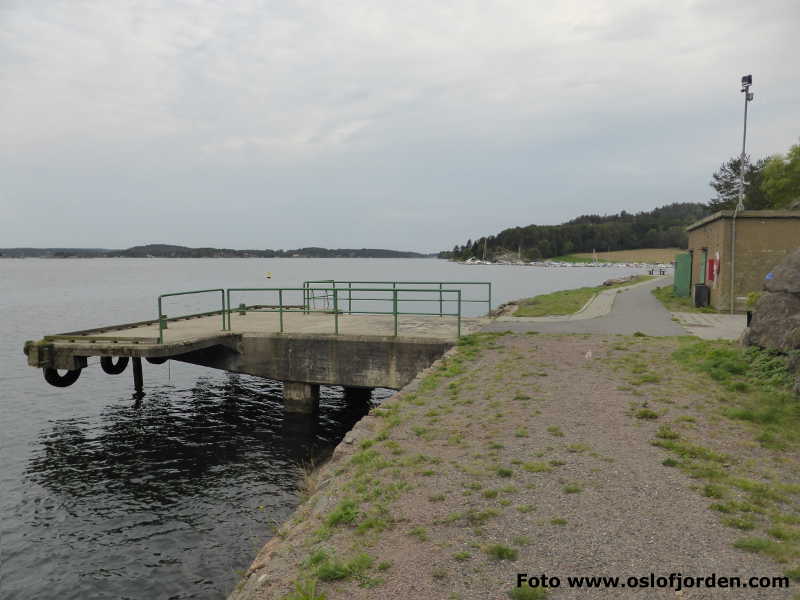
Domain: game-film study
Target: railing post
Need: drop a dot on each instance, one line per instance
(160, 323)
(222, 295)
(228, 305)
(459, 313)
(440, 299)
(490, 296)
(280, 307)
(394, 308)
(335, 310)
(349, 297)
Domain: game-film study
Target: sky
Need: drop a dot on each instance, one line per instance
(406, 125)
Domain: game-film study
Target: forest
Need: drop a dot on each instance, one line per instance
(663, 227)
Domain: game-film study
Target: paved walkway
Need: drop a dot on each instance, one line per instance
(633, 309)
(713, 326)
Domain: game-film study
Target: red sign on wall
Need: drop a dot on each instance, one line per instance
(711, 269)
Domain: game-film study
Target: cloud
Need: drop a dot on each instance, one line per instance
(515, 112)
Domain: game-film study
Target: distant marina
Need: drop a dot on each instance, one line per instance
(558, 264)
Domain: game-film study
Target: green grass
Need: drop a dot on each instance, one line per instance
(334, 569)
(646, 413)
(537, 467)
(555, 430)
(346, 512)
(565, 302)
(528, 593)
(674, 303)
(665, 432)
(501, 552)
(305, 590)
(780, 551)
(758, 383)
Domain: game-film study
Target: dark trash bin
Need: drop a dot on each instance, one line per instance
(701, 295)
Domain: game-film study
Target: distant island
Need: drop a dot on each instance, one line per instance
(170, 251)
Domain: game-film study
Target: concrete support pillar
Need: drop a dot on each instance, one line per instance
(357, 395)
(299, 397)
(138, 378)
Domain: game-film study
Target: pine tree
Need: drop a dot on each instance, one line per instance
(726, 183)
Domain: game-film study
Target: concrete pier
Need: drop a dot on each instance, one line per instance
(363, 354)
(299, 397)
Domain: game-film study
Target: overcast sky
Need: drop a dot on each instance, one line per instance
(405, 125)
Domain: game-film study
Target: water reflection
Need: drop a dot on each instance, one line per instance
(187, 473)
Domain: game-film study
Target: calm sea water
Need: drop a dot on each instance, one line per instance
(173, 498)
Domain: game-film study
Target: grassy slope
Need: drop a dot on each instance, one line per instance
(565, 302)
(650, 255)
(675, 303)
(740, 444)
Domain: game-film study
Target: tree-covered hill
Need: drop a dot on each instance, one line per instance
(172, 251)
(662, 227)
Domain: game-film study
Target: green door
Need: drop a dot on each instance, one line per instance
(683, 275)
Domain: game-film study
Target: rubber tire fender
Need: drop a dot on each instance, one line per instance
(109, 366)
(156, 360)
(52, 377)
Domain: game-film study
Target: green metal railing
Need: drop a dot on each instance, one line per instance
(308, 298)
(338, 295)
(335, 294)
(162, 318)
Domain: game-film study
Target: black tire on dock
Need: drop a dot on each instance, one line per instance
(52, 377)
(156, 360)
(109, 366)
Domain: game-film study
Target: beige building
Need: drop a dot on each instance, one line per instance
(762, 239)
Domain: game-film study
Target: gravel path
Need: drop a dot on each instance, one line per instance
(532, 446)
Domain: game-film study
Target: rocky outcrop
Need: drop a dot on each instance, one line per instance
(776, 318)
(618, 280)
(776, 322)
(785, 278)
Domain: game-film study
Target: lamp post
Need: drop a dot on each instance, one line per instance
(747, 81)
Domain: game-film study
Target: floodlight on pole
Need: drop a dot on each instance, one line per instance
(747, 81)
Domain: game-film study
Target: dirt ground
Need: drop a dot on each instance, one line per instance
(515, 454)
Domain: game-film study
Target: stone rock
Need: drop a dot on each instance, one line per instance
(786, 275)
(617, 280)
(776, 322)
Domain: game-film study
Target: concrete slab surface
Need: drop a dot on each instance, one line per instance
(710, 326)
(297, 322)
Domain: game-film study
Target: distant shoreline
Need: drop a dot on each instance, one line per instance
(173, 251)
(3, 256)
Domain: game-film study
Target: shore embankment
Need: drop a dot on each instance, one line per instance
(564, 455)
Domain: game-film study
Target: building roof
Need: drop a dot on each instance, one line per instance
(745, 214)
